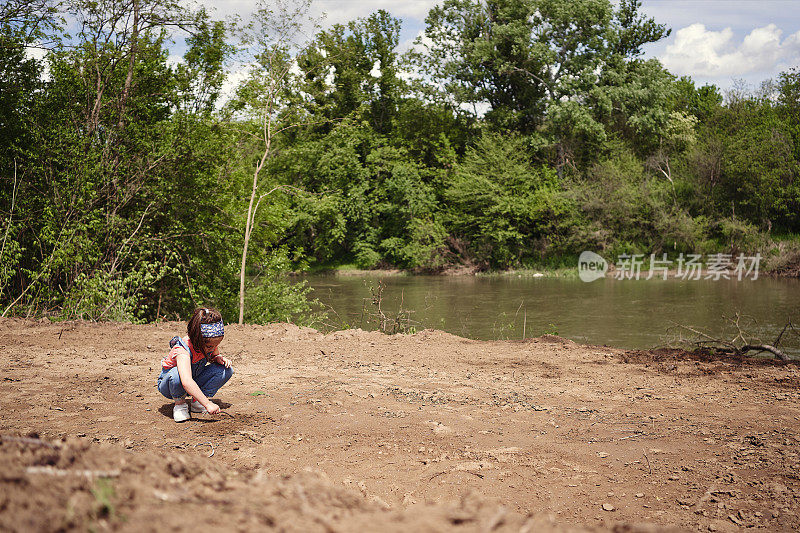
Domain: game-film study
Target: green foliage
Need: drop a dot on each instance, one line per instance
(737, 236)
(276, 299)
(376, 203)
(501, 203)
(700, 102)
(562, 70)
(125, 184)
(131, 195)
(200, 77)
(623, 210)
(746, 162)
(789, 105)
(105, 496)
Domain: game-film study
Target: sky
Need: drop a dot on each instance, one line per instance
(721, 42)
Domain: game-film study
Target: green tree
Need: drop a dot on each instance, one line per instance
(538, 63)
(122, 211)
(501, 204)
(20, 87)
(757, 168)
(702, 102)
(339, 74)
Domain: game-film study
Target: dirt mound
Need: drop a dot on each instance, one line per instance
(354, 334)
(429, 335)
(73, 484)
(555, 339)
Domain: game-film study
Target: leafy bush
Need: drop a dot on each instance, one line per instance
(500, 202)
(276, 299)
(624, 210)
(273, 297)
(739, 236)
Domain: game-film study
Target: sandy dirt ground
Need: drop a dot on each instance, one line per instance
(359, 431)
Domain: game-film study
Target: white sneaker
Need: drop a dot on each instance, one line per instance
(180, 413)
(197, 407)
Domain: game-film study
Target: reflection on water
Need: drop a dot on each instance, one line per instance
(627, 314)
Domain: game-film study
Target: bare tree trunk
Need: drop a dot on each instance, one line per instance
(248, 226)
(247, 230)
(667, 171)
(131, 63)
(560, 161)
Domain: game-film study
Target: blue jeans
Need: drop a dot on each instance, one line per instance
(209, 377)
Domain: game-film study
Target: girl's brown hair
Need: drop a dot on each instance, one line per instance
(201, 315)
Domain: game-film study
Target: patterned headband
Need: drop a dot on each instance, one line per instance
(217, 329)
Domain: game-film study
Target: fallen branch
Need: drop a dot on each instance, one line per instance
(739, 346)
(764, 348)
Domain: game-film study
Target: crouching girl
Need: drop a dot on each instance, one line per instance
(195, 367)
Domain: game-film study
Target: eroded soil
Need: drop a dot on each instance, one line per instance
(355, 431)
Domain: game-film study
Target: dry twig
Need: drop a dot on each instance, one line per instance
(49, 470)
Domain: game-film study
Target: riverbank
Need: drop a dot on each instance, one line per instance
(782, 261)
(353, 430)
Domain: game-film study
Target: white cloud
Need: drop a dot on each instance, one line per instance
(39, 53)
(236, 75)
(35, 52)
(341, 12)
(697, 51)
(173, 60)
(410, 44)
(376, 70)
(336, 11)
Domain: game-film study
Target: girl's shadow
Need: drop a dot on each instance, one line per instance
(166, 410)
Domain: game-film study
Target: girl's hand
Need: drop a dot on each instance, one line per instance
(224, 361)
(212, 408)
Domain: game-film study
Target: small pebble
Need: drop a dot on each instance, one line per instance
(608, 507)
